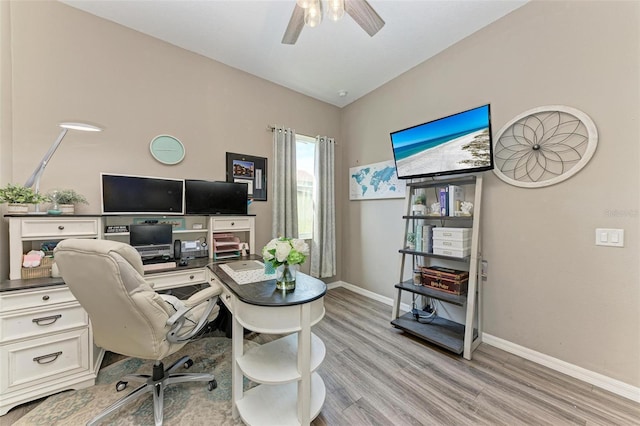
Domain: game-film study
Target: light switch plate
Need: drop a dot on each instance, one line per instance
(610, 237)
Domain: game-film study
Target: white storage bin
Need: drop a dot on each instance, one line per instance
(452, 244)
(461, 253)
(451, 234)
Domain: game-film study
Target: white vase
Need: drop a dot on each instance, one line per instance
(286, 277)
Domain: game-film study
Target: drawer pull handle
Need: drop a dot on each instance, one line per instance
(53, 356)
(227, 296)
(233, 223)
(191, 277)
(61, 227)
(45, 297)
(47, 320)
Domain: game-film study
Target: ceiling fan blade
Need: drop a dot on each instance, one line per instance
(362, 12)
(295, 26)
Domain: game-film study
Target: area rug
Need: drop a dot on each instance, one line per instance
(184, 404)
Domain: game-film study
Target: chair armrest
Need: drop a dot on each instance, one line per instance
(202, 295)
(207, 295)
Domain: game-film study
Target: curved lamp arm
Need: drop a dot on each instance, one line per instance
(34, 179)
(37, 173)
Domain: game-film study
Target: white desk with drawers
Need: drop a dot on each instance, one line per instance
(46, 343)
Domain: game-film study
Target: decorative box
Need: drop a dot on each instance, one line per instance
(451, 234)
(445, 279)
(461, 253)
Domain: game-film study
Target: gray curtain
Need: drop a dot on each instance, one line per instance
(285, 186)
(323, 244)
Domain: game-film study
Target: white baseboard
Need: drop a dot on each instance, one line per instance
(367, 293)
(596, 379)
(587, 376)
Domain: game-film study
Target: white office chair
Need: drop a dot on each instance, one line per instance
(128, 317)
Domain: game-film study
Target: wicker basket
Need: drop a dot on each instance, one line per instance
(42, 271)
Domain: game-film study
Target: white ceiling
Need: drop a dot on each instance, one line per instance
(333, 57)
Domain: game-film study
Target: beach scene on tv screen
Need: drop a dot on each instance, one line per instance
(454, 143)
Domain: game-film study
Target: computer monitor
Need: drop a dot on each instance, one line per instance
(152, 239)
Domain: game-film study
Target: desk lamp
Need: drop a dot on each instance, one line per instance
(34, 179)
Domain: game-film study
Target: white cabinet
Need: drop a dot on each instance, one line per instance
(228, 232)
(455, 244)
(28, 232)
(46, 345)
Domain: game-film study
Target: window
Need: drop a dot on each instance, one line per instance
(305, 162)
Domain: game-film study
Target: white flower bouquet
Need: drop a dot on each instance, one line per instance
(285, 251)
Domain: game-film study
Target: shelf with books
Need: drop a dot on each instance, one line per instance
(442, 237)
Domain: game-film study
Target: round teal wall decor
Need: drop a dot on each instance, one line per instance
(167, 149)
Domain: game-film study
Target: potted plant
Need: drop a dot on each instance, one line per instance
(285, 254)
(419, 204)
(19, 197)
(411, 240)
(65, 200)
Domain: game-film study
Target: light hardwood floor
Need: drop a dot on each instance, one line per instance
(377, 375)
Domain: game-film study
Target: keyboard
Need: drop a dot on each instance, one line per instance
(158, 266)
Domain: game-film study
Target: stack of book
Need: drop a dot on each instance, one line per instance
(424, 237)
(451, 197)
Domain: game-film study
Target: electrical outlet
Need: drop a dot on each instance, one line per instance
(484, 269)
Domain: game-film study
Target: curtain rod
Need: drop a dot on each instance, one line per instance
(271, 128)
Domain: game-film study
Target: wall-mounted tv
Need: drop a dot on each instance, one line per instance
(208, 197)
(128, 194)
(457, 144)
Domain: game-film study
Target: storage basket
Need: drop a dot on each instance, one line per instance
(42, 271)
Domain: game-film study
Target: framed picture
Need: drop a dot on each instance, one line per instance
(250, 170)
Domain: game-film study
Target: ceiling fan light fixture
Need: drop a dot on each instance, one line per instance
(313, 14)
(336, 9)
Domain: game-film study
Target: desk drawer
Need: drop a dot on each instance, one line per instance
(37, 322)
(13, 300)
(165, 280)
(231, 224)
(55, 228)
(33, 362)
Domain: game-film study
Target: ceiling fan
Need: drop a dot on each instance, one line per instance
(360, 10)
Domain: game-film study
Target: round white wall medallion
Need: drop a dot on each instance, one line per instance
(167, 149)
(544, 146)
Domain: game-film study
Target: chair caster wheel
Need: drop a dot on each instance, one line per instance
(188, 364)
(212, 385)
(120, 386)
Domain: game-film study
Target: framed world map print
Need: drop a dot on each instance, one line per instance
(375, 181)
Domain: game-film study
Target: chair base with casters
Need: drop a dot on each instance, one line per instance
(156, 384)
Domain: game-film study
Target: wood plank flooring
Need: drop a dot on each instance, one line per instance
(378, 375)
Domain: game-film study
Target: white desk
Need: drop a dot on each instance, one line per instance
(291, 392)
(46, 342)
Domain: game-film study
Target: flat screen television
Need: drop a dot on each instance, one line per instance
(128, 194)
(208, 197)
(457, 144)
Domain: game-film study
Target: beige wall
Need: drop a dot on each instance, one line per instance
(71, 66)
(549, 288)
